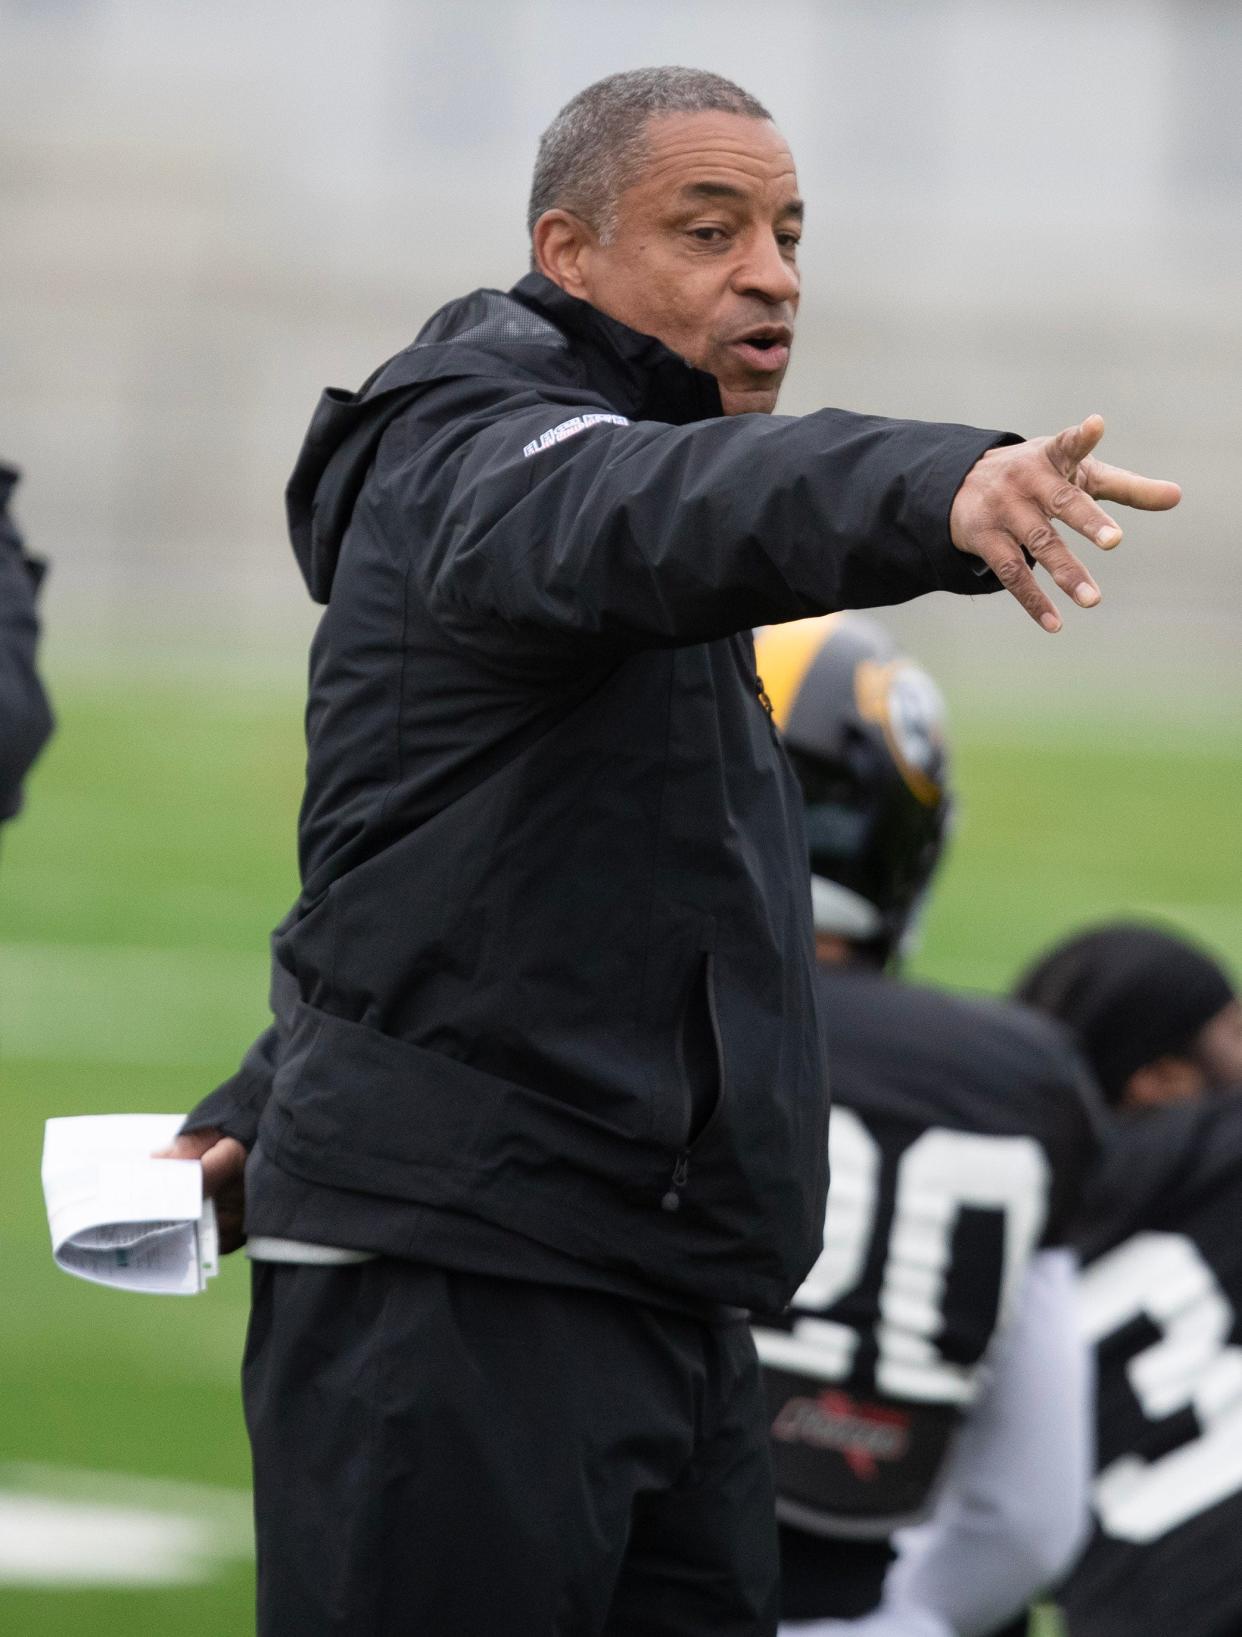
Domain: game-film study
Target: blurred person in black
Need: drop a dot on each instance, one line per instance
(930, 1366)
(542, 1111)
(1160, 1020)
(25, 716)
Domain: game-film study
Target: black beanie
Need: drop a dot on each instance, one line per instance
(1131, 993)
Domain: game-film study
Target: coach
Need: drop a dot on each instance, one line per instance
(543, 1107)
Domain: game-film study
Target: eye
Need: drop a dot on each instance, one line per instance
(708, 235)
(789, 241)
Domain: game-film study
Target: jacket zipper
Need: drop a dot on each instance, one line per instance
(681, 1172)
(671, 1200)
(761, 693)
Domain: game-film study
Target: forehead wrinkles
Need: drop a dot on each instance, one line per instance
(677, 152)
(719, 164)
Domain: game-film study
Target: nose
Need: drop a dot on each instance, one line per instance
(767, 272)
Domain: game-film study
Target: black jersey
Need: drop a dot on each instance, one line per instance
(960, 1136)
(1162, 1298)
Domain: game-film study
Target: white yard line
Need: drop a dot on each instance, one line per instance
(68, 1528)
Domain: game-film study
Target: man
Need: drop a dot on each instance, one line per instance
(25, 716)
(1158, 1018)
(932, 1357)
(545, 1044)
(1162, 1288)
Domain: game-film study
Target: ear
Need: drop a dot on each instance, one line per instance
(1164, 1081)
(562, 244)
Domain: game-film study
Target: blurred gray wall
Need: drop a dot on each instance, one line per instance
(1019, 213)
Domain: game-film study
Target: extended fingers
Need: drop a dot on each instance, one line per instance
(1069, 504)
(1014, 496)
(1149, 494)
(1077, 470)
(1001, 552)
(1036, 535)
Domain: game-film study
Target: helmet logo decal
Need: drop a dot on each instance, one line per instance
(905, 704)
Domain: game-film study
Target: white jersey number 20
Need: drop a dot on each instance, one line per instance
(938, 1176)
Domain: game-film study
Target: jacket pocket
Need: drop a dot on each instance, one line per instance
(701, 1054)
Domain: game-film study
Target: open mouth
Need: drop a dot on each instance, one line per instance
(766, 350)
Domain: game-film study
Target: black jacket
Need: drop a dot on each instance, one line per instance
(25, 716)
(551, 967)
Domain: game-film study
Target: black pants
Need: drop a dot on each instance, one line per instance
(442, 1454)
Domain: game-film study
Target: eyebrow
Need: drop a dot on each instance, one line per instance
(724, 190)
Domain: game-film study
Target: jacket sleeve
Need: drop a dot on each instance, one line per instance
(25, 716)
(560, 519)
(236, 1106)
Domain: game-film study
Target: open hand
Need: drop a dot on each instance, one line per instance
(224, 1164)
(1012, 496)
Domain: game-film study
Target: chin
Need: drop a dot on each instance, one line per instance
(757, 401)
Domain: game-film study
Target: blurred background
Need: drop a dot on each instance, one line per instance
(1018, 214)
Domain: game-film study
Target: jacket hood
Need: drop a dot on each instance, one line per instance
(482, 334)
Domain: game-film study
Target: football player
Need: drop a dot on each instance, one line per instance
(1162, 1282)
(931, 1359)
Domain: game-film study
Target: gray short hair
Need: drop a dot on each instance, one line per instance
(594, 147)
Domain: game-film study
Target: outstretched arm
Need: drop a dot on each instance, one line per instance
(581, 526)
(553, 523)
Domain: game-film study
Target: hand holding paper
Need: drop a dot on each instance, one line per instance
(223, 1162)
(120, 1217)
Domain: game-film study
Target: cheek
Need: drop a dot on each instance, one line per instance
(661, 293)
(643, 292)
(692, 305)
(668, 310)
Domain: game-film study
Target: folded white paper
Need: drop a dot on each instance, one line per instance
(119, 1217)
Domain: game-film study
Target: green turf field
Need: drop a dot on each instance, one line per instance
(135, 898)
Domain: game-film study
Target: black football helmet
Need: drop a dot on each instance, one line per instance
(864, 728)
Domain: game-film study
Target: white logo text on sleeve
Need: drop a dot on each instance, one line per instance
(570, 429)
